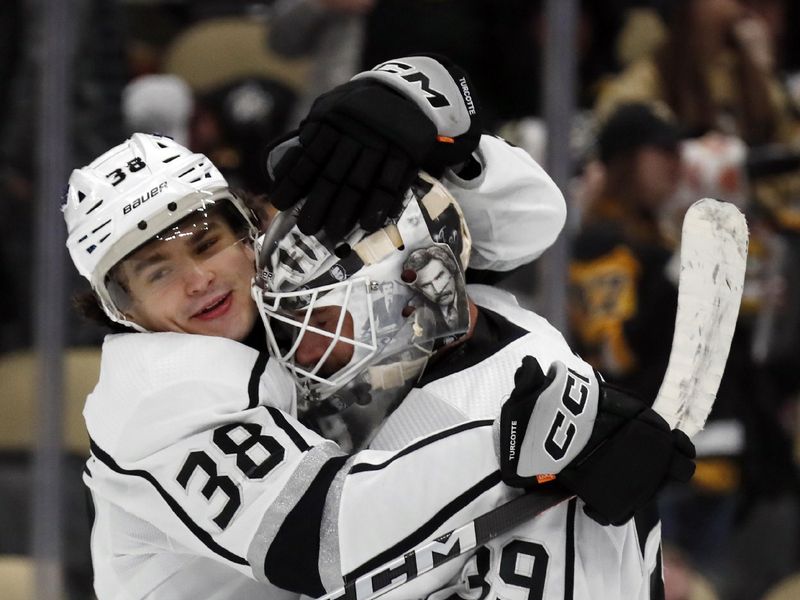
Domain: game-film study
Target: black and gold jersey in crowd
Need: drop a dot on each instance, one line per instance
(622, 305)
(622, 312)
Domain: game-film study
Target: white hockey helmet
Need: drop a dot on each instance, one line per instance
(126, 197)
(397, 324)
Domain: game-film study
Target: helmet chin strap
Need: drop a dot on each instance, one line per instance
(128, 321)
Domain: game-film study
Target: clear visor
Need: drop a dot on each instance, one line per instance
(178, 255)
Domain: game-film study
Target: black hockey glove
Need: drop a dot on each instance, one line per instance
(546, 421)
(363, 143)
(631, 455)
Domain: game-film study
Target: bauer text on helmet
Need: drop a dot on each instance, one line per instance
(151, 201)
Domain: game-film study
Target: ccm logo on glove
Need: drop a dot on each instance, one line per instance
(575, 384)
(411, 75)
(546, 421)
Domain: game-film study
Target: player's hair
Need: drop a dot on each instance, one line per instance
(419, 259)
(687, 92)
(87, 305)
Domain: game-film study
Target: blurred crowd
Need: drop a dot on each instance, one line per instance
(676, 100)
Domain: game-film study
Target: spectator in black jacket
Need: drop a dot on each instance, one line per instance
(623, 299)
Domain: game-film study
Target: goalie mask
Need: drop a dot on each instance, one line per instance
(355, 323)
(149, 188)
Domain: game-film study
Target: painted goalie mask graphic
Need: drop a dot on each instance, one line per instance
(375, 306)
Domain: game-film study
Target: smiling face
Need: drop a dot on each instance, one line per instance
(195, 278)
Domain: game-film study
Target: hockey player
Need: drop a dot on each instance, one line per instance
(419, 377)
(204, 484)
(359, 149)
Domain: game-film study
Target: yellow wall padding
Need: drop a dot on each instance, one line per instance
(16, 577)
(19, 398)
(215, 52)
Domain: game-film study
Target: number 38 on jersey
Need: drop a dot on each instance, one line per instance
(253, 454)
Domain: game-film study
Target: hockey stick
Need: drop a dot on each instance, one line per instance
(713, 254)
(451, 545)
(713, 257)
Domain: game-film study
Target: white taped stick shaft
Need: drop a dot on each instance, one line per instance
(713, 256)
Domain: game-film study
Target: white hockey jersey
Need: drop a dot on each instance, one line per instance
(559, 555)
(204, 485)
(513, 209)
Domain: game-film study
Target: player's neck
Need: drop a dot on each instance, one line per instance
(257, 338)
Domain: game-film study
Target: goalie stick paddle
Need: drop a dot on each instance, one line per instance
(713, 257)
(712, 263)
